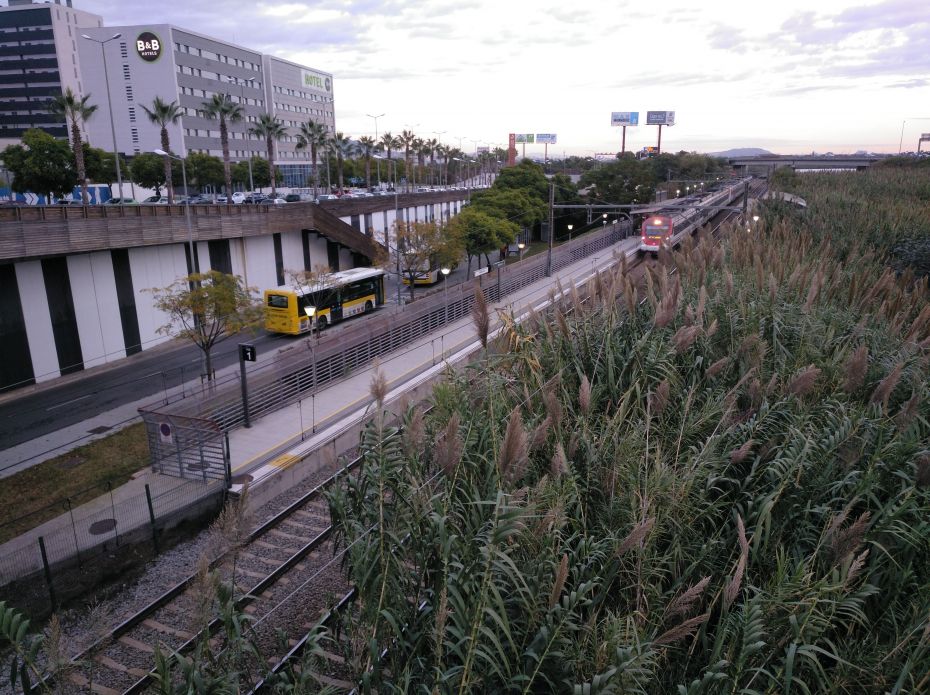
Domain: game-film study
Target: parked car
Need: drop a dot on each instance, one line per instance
(252, 198)
(237, 198)
(272, 201)
(69, 202)
(155, 199)
(201, 200)
(292, 198)
(121, 201)
(327, 196)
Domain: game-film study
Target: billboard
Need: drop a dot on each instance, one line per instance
(624, 118)
(660, 118)
(546, 138)
(525, 138)
(483, 150)
(316, 80)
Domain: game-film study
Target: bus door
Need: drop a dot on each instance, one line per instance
(335, 312)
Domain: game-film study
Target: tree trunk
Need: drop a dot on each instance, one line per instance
(368, 172)
(166, 146)
(316, 171)
(78, 147)
(208, 363)
(339, 170)
(227, 170)
(270, 145)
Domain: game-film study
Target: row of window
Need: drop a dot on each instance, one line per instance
(207, 94)
(298, 109)
(10, 42)
(210, 55)
(309, 96)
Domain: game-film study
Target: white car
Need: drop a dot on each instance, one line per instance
(238, 197)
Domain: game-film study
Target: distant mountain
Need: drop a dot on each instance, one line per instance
(740, 152)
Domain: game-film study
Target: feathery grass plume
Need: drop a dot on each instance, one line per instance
(882, 392)
(755, 392)
(559, 465)
(728, 281)
(573, 441)
(920, 322)
(203, 591)
(679, 632)
(804, 381)
(773, 288)
(748, 344)
(844, 541)
(772, 385)
(481, 317)
(448, 445)
(812, 293)
(689, 317)
(558, 583)
(739, 455)
(855, 368)
(855, 567)
(684, 337)
(540, 434)
(733, 586)
(922, 472)
(682, 604)
(414, 433)
(514, 454)
(584, 395)
(442, 614)
(553, 406)
(637, 536)
(562, 324)
(718, 367)
(378, 388)
(701, 305)
(56, 652)
(908, 412)
(658, 399)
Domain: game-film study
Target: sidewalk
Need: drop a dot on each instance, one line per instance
(274, 443)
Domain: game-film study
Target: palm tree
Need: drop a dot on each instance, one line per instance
(314, 136)
(418, 151)
(442, 151)
(164, 114)
(388, 143)
(366, 148)
(270, 128)
(406, 140)
(430, 147)
(77, 111)
(221, 107)
(341, 146)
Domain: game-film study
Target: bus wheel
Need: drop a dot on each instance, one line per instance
(321, 323)
(369, 307)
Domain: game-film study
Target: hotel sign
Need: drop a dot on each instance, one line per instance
(148, 46)
(316, 80)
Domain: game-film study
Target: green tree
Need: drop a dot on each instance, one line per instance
(204, 170)
(221, 107)
(41, 164)
(240, 173)
(422, 246)
(621, 181)
(527, 176)
(479, 232)
(406, 140)
(164, 114)
(366, 148)
(272, 130)
(313, 135)
(207, 307)
(76, 112)
(148, 170)
(342, 148)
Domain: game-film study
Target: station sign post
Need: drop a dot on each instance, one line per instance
(624, 119)
(660, 118)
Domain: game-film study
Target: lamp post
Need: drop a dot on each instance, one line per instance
(570, 227)
(522, 246)
(249, 137)
(604, 220)
(187, 208)
(445, 289)
(376, 140)
(396, 227)
(106, 76)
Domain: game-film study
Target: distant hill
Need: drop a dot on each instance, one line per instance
(740, 152)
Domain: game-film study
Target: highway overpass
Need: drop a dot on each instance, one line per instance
(763, 165)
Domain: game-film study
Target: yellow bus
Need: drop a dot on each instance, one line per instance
(341, 295)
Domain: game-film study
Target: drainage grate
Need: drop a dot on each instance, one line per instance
(100, 429)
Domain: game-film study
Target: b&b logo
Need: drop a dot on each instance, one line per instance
(148, 46)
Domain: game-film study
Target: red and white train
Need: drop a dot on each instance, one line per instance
(660, 228)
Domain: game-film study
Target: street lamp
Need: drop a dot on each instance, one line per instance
(396, 226)
(570, 227)
(522, 246)
(677, 192)
(187, 208)
(251, 80)
(604, 220)
(376, 122)
(106, 76)
(445, 289)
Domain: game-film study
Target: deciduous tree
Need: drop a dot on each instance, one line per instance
(41, 164)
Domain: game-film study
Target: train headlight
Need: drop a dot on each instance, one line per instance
(657, 221)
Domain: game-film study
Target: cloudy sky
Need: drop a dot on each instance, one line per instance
(790, 76)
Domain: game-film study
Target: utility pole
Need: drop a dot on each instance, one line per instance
(551, 229)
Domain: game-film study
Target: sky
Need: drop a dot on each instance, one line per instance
(792, 76)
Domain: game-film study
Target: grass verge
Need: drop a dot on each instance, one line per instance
(40, 493)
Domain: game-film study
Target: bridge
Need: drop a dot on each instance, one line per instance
(766, 164)
(74, 279)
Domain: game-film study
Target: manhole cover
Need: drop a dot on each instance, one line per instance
(242, 479)
(103, 526)
(71, 462)
(100, 429)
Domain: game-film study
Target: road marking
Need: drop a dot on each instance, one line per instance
(73, 400)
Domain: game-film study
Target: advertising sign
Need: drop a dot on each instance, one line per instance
(525, 138)
(624, 118)
(925, 136)
(660, 118)
(546, 138)
(316, 80)
(484, 149)
(148, 46)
